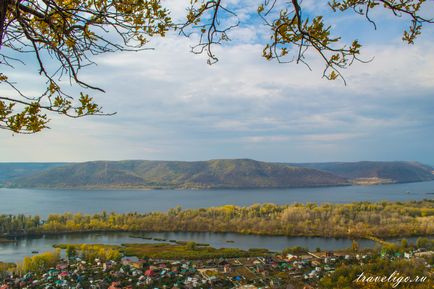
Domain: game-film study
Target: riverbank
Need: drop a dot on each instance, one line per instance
(11, 238)
(6, 240)
(354, 220)
(13, 252)
(187, 251)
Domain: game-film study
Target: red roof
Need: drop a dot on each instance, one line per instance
(149, 272)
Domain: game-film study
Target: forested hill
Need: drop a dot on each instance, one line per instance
(213, 174)
(241, 173)
(381, 172)
(14, 170)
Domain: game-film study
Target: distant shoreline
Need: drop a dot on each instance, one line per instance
(145, 188)
(140, 188)
(11, 238)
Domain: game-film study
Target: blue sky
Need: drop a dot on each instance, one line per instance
(171, 105)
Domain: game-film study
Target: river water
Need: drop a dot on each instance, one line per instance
(44, 202)
(16, 251)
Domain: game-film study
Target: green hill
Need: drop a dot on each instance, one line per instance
(14, 170)
(241, 173)
(213, 174)
(380, 172)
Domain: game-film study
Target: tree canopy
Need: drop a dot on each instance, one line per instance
(356, 220)
(64, 36)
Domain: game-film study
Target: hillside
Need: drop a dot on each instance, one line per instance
(242, 173)
(239, 173)
(376, 172)
(14, 170)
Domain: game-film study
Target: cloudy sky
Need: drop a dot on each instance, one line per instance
(171, 105)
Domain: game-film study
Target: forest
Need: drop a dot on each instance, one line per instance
(382, 219)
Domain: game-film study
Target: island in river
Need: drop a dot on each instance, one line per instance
(355, 220)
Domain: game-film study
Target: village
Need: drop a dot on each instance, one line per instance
(303, 270)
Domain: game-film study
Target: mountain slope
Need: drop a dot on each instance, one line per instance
(14, 170)
(386, 172)
(242, 173)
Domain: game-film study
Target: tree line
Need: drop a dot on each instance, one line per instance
(383, 219)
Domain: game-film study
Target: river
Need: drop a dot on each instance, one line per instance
(16, 251)
(44, 202)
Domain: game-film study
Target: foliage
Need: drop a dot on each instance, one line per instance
(40, 262)
(90, 252)
(189, 250)
(294, 250)
(425, 243)
(355, 246)
(71, 251)
(190, 246)
(293, 34)
(333, 220)
(5, 268)
(18, 223)
(384, 219)
(68, 34)
(63, 36)
(167, 251)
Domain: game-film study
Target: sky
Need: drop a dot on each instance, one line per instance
(171, 105)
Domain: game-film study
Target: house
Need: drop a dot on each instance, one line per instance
(291, 257)
(149, 273)
(256, 262)
(247, 287)
(138, 264)
(227, 268)
(315, 263)
(115, 285)
(424, 254)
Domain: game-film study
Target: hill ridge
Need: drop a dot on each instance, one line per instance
(218, 173)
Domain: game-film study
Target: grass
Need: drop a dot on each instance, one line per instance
(189, 251)
(88, 246)
(4, 240)
(6, 266)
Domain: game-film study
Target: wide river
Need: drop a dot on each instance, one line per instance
(15, 252)
(44, 202)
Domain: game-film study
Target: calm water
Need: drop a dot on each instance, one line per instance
(44, 202)
(14, 252)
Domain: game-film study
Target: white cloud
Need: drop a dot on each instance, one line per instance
(172, 105)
